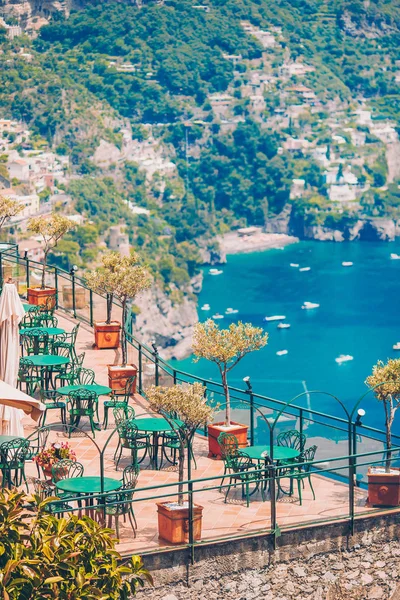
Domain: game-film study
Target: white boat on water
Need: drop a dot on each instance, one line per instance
(283, 326)
(275, 318)
(215, 271)
(217, 316)
(305, 269)
(343, 358)
(205, 307)
(282, 352)
(396, 346)
(347, 264)
(231, 311)
(310, 305)
(295, 265)
(395, 256)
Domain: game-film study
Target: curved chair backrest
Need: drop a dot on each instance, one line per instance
(128, 431)
(35, 341)
(240, 462)
(292, 439)
(130, 383)
(25, 366)
(229, 444)
(66, 469)
(85, 376)
(30, 317)
(39, 441)
(47, 320)
(130, 475)
(307, 456)
(82, 400)
(60, 350)
(14, 452)
(123, 414)
(49, 396)
(78, 362)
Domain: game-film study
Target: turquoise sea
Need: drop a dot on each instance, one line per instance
(358, 316)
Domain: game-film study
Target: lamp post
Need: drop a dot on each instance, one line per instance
(155, 354)
(72, 272)
(357, 423)
(249, 391)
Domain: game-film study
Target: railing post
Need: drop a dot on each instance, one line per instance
(249, 391)
(190, 500)
(72, 273)
(56, 284)
(351, 477)
(27, 273)
(1, 267)
(175, 376)
(91, 308)
(156, 369)
(301, 427)
(140, 356)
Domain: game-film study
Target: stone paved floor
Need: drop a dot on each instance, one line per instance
(219, 519)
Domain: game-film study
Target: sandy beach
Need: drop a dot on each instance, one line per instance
(233, 243)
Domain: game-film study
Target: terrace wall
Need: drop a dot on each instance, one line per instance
(305, 565)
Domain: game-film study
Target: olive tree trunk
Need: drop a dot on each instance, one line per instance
(43, 282)
(389, 417)
(227, 398)
(123, 334)
(181, 472)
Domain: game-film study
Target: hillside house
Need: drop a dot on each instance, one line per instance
(18, 169)
(297, 189)
(342, 193)
(12, 30)
(30, 202)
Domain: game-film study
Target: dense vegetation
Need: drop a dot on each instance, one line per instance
(158, 65)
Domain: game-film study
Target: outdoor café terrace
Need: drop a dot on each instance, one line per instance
(309, 451)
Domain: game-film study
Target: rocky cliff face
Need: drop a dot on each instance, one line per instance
(169, 325)
(367, 229)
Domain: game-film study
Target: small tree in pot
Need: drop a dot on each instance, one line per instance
(384, 488)
(226, 348)
(185, 408)
(51, 229)
(120, 277)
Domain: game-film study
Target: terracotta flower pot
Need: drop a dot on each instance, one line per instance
(118, 376)
(384, 488)
(47, 472)
(173, 523)
(38, 296)
(107, 335)
(236, 429)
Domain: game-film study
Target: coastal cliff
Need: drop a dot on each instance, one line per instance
(364, 229)
(169, 324)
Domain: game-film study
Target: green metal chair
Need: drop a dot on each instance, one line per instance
(170, 441)
(29, 375)
(229, 448)
(118, 402)
(69, 374)
(53, 401)
(13, 455)
(120, 415)
(300, 472)
(242, 467)
(35, 341)
(65, 469)
(292, 439)
(120, 505)
(131, 439)
(37, 443)
(30, 318)
(45, 320)
(68, 341)
(82, 403)
(84, 376)
(45, 489)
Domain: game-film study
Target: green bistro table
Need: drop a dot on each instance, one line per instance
(49, 330)
(155, 425)
(7, 438)
(88, 485)
(100, 390)
(46, 362)
(280, 453)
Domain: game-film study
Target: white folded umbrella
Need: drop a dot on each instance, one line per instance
(10, 396)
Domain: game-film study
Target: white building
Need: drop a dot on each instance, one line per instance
(12, 30)
(342, 193)
(297, 189)
(18, 169)
(30, 202)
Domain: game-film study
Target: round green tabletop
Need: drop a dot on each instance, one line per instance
(100, 390)
(49, 330)
(48, 360)
(280, 452)
(153, 424)
(7, 438)
(88, 485)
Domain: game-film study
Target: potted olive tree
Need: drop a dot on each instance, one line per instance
(226, 348)
(120, 277)
(384, 482)
(185, 407)
(51, 229)
(8, 208)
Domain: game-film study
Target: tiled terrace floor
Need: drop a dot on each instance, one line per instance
(219, 519)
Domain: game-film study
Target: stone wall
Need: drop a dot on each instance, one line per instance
(318, 563)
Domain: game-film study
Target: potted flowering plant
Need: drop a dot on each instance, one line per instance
(47, 457)
(185, 408)
(225, 348)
